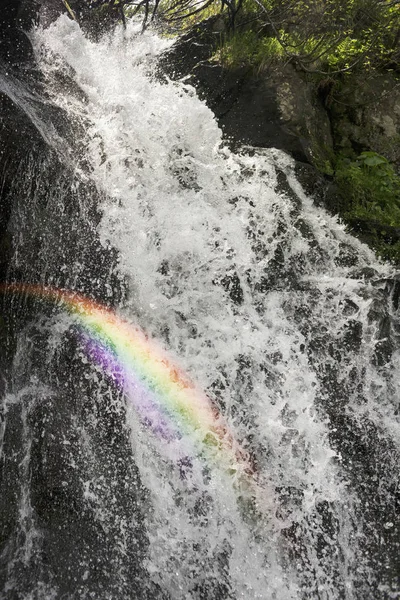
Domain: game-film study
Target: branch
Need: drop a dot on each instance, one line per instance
(69, 9)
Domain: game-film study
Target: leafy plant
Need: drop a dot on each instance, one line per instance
(371, 188)
(372, 185)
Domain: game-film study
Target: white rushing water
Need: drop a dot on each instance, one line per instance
(256, 294)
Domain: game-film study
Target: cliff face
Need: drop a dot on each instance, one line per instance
(19, 78)
(315, 121)
(48, 236)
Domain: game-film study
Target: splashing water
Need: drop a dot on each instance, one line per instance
(268, 305)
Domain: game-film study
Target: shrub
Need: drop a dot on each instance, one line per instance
(371, 188)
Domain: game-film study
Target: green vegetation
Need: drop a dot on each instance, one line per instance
(319, 36)
(371, 188)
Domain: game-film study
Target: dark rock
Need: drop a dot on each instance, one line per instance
(310, 179)
(274, 108)
(393, 288)
(192, 49)
(247, 108)
(16, 17)
(15, 130)
(314, 183)
(322, 188)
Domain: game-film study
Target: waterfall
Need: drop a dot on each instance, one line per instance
(286, 322)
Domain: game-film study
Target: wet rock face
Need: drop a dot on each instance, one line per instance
(69, 481)
(14, 128)
(249, 110)
(16, 17)
(18, 140)
(70, 484)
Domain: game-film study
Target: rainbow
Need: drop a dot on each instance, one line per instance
(167, 402)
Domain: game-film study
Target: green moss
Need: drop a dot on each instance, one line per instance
(323, 157)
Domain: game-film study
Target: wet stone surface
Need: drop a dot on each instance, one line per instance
(71, 491)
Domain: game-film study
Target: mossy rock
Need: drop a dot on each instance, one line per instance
(304, 116)
(365, 115)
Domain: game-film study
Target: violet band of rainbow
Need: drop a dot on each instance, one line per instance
(129, 384)
(165, 399)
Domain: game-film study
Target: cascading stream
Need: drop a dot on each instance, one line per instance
(286, 322)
